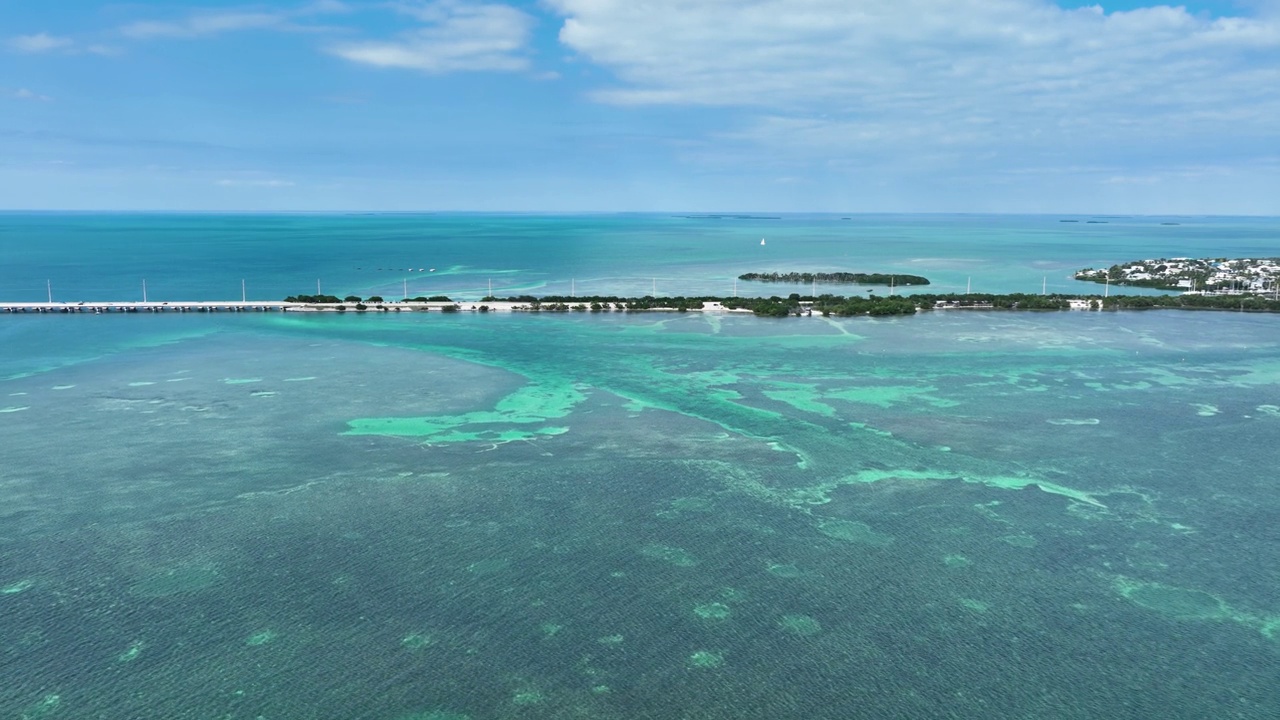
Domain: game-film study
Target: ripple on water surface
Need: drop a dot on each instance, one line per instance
(175, 580)
(675, 555)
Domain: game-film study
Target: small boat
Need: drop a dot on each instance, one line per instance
(761, 241)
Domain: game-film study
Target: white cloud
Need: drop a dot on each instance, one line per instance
(209, 23)
(205, 24)
(867, 78)
(25, 94)
(39, 43)
(46, 43)
(458, 36)
(772, 52)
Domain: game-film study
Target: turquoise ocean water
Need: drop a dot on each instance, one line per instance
(429, 516)
(106, 257)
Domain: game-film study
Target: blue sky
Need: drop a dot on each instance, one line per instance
(646, 105)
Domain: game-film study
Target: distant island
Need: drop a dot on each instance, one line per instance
(1207, 275)
(731, 217)
(836, 278)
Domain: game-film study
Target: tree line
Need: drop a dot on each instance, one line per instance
(841, 278)
(375, 299)
(847, 306)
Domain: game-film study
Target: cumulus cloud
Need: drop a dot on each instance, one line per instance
(770, 52)
(456, 36)
(946, 75)
(39, 43)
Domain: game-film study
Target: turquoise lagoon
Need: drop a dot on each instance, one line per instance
(1067, 515)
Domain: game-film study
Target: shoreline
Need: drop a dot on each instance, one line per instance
(825, 306)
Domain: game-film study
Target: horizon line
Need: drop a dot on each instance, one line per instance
(690, 214)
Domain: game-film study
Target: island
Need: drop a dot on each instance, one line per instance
(774, 306)
(790, 306)
(835, 278)
(1259, 276)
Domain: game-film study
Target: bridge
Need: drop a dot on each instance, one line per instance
(101, 307)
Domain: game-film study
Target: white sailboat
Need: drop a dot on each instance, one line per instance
(761, 241)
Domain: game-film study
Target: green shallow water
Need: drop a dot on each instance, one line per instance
(621, 516)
